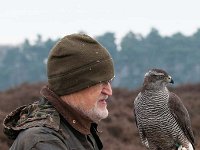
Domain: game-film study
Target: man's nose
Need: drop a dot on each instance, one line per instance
(107, 89)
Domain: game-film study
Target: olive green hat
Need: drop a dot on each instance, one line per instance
(76, 62)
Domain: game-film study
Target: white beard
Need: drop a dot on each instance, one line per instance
(96, 114)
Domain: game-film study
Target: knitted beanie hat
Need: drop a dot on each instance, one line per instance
(77, 62)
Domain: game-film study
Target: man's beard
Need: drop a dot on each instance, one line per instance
(95, 114)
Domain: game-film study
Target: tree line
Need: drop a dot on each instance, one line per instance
(133, 56)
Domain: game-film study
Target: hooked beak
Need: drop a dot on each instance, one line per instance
(170, 80)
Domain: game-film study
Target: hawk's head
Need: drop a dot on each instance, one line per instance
(156, 79)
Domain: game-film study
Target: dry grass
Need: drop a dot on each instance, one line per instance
(119, 129)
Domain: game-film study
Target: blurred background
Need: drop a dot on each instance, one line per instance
(140, 35)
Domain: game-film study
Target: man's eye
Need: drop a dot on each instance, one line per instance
(106, 82)
(109, 81)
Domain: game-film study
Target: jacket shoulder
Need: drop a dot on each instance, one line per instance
(38, 114)
(29, 138)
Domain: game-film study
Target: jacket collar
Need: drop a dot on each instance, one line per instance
(74, 117)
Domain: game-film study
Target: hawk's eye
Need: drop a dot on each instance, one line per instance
(158, 77)
(154, 76)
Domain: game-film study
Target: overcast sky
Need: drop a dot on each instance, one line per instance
(20, 19)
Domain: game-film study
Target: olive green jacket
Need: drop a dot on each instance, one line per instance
(39, 126)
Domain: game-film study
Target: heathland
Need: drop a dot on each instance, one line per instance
(119, 129)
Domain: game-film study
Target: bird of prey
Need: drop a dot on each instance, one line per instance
(161, 118)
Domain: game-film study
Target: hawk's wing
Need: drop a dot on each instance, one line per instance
(135, 116)
(142, 133)
(181, 115)
(134, 107)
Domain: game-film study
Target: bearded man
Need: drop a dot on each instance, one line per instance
(73, 102)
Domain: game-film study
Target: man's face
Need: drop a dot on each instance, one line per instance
(92, 101)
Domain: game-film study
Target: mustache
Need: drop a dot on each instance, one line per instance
(104, 97)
